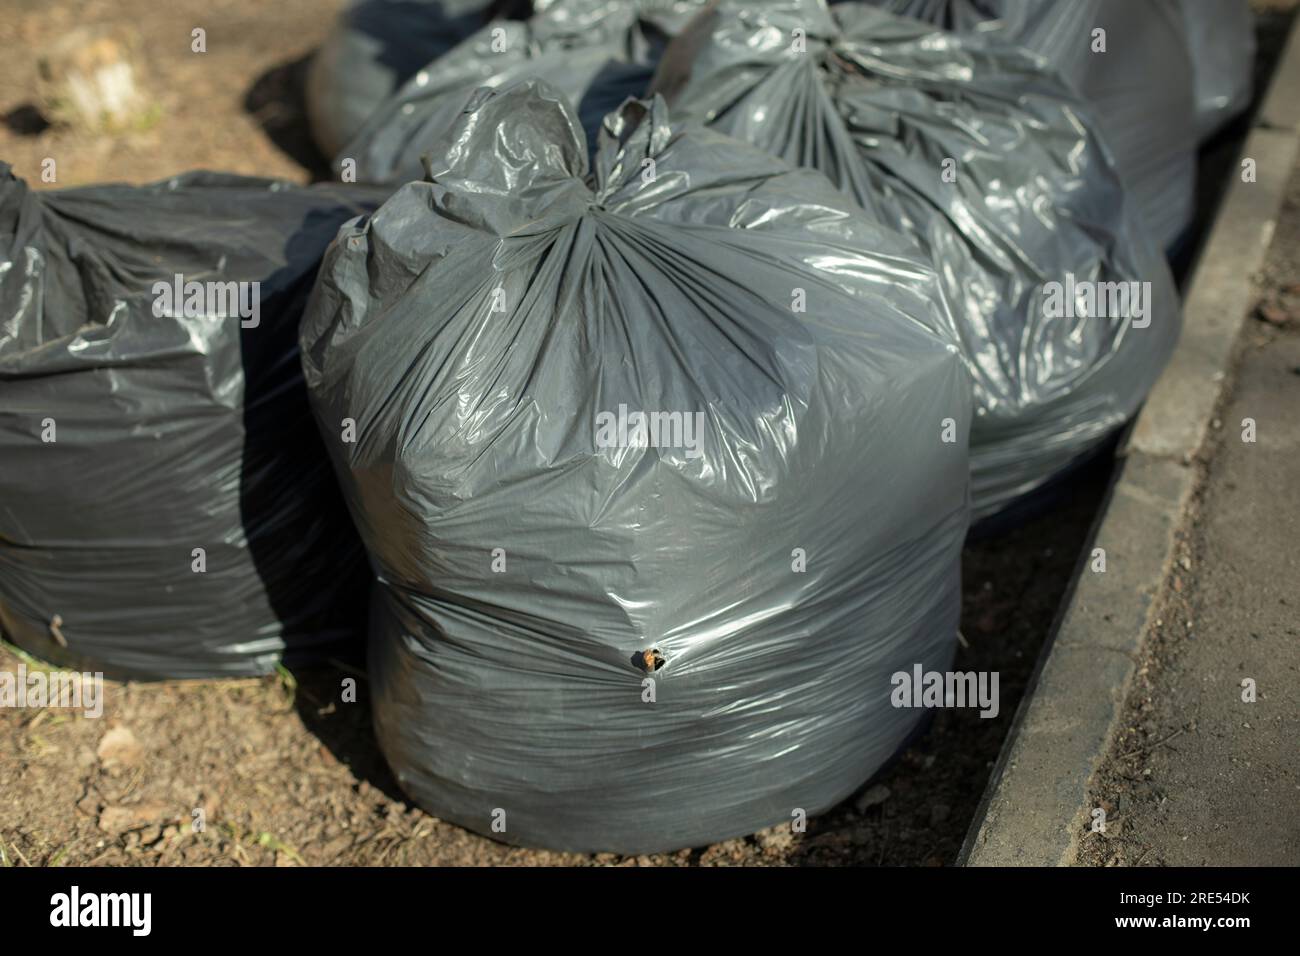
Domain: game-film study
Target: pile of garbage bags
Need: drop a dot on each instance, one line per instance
(374, 47)
(977, 149)
(166, 506)
(658, 501)
(596, 52)
(636, 405)
(1161, 74)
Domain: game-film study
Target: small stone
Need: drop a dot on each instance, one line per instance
(89, 78)
(119, 746)
(1273, 313)
(120, 819)
(873, 797)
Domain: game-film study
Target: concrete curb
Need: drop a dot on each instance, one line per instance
(1033, 811)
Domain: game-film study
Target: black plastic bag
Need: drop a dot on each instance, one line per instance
(166, 507)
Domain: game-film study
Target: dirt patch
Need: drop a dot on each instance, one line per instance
(236, 108)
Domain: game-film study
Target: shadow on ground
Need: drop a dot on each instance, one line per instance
(277, 103)
(346, 730)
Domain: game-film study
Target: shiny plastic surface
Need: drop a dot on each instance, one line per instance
(166, 506)
(595, 52)
(977, 149)
(1142, 65)
(372, 49)
(536, 563)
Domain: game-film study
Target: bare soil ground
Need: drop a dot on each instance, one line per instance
(235, 108)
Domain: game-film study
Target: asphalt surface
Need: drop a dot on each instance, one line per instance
(1200, 774)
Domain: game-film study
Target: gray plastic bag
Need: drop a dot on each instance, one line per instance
(596, 52)
(1218, 35)
(975, 148)
(1221, 46)
(1142, 86)
(166, 507)
(786, 547)
(373, 48)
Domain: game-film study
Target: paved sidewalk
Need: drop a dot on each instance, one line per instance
(1196, 775)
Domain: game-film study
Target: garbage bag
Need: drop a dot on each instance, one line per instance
(662, 472)
(1221, 46)
(979, 151)
(166, 506)
(373, 48)
(1141, 86)
(597, 52)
